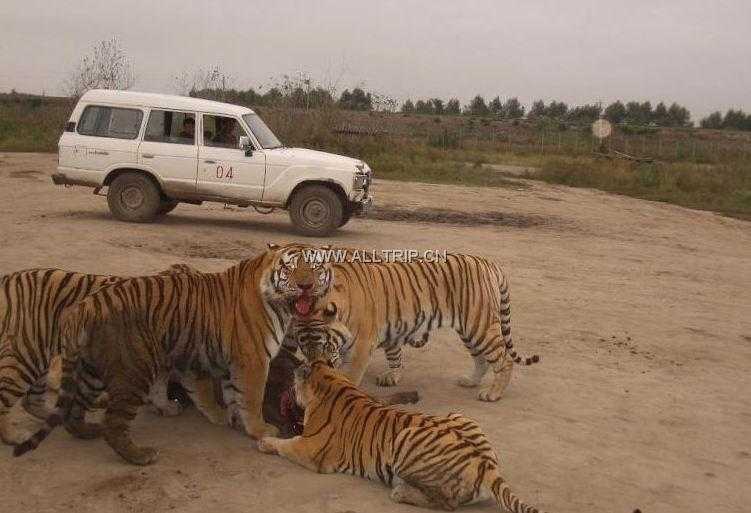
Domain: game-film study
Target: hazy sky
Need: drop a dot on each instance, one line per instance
(697, 53)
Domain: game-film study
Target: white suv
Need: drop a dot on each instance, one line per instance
(153, 151)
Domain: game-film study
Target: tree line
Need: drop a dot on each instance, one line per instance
(617, 112)
(296, 97)
(733, 119)
(109, 67)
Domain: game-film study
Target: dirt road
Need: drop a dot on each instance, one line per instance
(641, 312)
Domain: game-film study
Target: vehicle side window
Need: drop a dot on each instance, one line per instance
(168, 126)
(221, 132)
(114, 122)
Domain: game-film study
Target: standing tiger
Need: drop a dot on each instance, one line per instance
(30, 305)
(430, 461)
(227, 325)
(390, 304)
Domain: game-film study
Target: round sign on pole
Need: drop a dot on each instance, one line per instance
(602, 128)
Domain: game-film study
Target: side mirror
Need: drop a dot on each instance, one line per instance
(246, 145)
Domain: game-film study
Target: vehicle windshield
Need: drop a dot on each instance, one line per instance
(265, 136)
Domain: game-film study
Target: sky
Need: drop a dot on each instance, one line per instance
(696, 53)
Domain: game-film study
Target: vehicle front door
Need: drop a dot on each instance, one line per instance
(225, 171)
(169, 148)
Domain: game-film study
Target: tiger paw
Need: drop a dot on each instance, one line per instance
(263, 430)
(389, 378)
(171, 408)
(267, 445)
(489, 394)
(18, 426)
(467, 382)
(141, 455)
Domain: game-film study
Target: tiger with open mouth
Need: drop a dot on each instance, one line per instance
(228, 325)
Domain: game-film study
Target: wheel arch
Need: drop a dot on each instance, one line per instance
(330, 184)
(123, 170)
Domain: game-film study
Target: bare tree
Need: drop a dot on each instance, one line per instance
(107, 67)
(213, 78)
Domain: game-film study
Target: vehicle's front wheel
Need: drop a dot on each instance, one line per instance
(346, 216)
(316, 210)
(134, 197)
(167, 206)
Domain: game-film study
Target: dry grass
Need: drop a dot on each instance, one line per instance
(426, 149)
(724, 188)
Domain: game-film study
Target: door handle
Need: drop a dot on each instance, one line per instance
(147, 156)
(100, 152)
(209, 161)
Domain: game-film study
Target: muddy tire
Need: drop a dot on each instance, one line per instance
(316, 211)
(346, 216)
(167, 206)
(134, 197)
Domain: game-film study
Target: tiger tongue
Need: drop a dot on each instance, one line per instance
(303, 305)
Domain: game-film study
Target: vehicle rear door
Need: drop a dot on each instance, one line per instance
(105, 136)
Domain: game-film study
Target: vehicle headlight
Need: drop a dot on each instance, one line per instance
(360, 181)
(362, 176)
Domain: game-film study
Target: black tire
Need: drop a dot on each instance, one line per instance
(167, 206)
(134, 197)
(316, 211)
(346, 216)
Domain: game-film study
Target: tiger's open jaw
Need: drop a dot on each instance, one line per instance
(304, 304)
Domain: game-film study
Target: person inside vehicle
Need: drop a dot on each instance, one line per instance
(226, 133)
(189, 128)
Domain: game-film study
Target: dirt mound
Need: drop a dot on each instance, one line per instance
(447, 216)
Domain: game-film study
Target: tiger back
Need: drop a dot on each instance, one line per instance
(429, 461)
(31, 302)
(227, 324)
(392, 304)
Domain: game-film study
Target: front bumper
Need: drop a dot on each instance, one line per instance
(361, 207)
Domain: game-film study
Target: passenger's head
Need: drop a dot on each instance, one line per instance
(189, 125)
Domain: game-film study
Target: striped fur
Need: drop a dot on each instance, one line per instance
(30, 305)
(320, 336)
(227, 325)
(390, 304)
(429, 461)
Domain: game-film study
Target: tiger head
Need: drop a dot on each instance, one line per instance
(320, 336)
(297, 277)
(315, 380)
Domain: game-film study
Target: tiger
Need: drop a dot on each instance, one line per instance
(319, 336)
(429, 461)
(30, 305)
(227, 325)
(389, 304)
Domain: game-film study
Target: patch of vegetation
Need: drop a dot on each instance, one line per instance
(724, 188)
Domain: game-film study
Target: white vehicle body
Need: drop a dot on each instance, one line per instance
(245, 173)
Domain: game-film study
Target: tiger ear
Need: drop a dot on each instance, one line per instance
(330, 310)
(272, 245)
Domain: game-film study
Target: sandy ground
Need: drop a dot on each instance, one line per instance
(641, 312)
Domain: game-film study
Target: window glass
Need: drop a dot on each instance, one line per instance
(221, 132)
(170, 127)
(110, 122)
(262, 132)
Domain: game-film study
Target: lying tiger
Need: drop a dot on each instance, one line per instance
(228, 325)
(390, 304)
(429, 461)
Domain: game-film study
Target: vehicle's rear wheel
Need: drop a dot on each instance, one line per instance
(134, 197)
(167, 206)
(316, 210)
